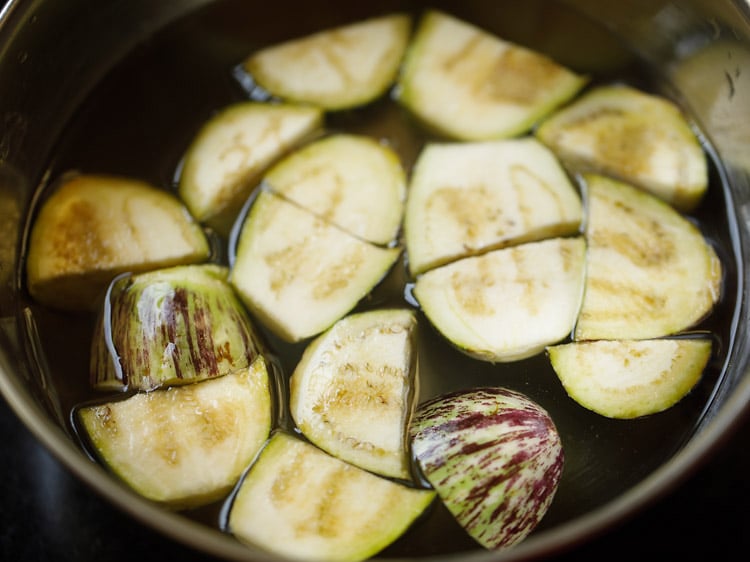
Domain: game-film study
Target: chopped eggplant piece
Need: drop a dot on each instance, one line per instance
(507, 304)
(298, 273)
(649, 272)
(630, 378)
(184, 446)
(495, 459)
(352, 393)
(299, 502)
(171, 326)
(336, 68)
(641, 139)
(465, 83)
(232, 150)
(93, 228)
(351, 181)
(467, 198)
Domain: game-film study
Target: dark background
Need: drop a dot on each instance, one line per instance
(48, 515)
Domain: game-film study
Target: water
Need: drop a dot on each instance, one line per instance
(140, 119)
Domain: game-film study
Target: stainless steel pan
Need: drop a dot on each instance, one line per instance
(54, 54)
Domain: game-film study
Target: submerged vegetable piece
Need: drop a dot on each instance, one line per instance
(468, 84)
(299, 502)
(335, 68)
(650, 272)
(494, 457)
(298, 273)
(638, 138)
(351, 181)
(232, 150)
(352, 391)
(184, 446)
(465, 198)
(630, 378)
(94, 227)
(507, 304)
(171, 326)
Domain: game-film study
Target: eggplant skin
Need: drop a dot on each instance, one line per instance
(494, 457)
(172, 326)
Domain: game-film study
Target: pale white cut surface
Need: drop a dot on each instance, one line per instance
(335, 68)
(630, 378)
(639, 138)
(465, 198)
(352, 181)
(650, 272)
(300, 274)
(507, 304)
(94, 227)
(185, 446)
(468, 84)
(299, 502)
(232, 149)
(352, 391)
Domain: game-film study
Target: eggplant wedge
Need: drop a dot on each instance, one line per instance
(465, 83)
(351, 181)
(495, 459)
(628, 379)
(337, 68)
(299, 502)
(298, 273)
(468, 198)
(94, 227)
(169, 327)
(184, 446)
(352, 392)
(649, 271)
(507, 304)
(639, 138)
(232, 150)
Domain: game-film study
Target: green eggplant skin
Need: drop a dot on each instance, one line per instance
(494, 457)
(169, 327)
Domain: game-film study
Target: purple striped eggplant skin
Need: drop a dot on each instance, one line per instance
(171, 326)
(493, 456)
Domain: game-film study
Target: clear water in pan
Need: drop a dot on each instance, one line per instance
(140, 119)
